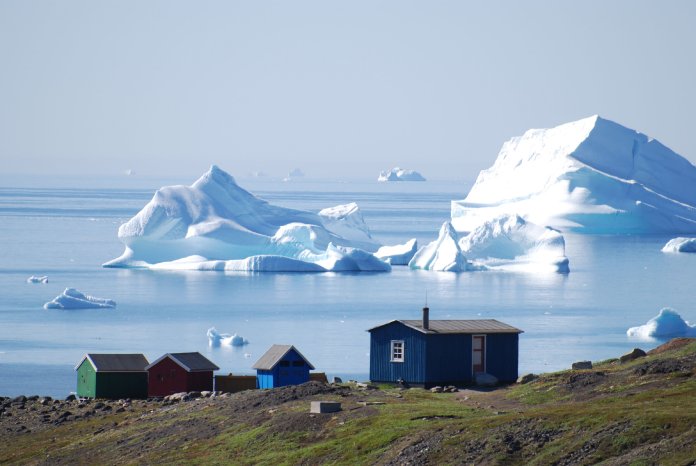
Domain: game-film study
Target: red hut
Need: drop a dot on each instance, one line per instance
(180, 372)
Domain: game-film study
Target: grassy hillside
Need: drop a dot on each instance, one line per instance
(641, 412)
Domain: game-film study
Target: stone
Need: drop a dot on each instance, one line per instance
(70, 397)
(486, 380)
(634, 354)
(526, 378)
(336, 380)
(580, 365)
(319, 407)
(206, 394)
(19, 399)
(436, 389)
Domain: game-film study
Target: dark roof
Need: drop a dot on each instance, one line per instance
(191, 362)
(457, 326)
(115, 362)
(273, 356)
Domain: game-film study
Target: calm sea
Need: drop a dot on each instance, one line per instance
(67, 233)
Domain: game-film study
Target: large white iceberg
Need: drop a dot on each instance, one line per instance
(70, 298)
(399, 174)
(591, 175)
(667, 324)
(680, 245)
(400, 254)
(216, 225)
(443, 254)
(511, 243)
(502, 243)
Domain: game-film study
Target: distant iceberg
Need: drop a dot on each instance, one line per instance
(400, 254)
(680, 245)
(589, 176)
(73, 299)
(224, 339)
(667, 324)
(503, 243)
(399, 174)
(37, 279)
(216, 225)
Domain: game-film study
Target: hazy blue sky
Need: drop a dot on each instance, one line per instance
(347, 89)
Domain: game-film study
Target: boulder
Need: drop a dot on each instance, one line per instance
(526, 378)
(436, 389)
(486, 380)
(581, 365)
(70, 397)
(336, 380)
(634, 354)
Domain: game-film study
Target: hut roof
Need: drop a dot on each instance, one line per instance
(457, 326)
(191, 362)
(115, 362)
(273, 356)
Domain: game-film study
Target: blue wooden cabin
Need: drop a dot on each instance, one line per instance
(282, 365)
(443, 352)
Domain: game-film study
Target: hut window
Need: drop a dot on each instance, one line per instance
(298, 363)
(397, 351)
(284, 363)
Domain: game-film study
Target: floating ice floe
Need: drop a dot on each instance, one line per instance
(680, 245)
(400, 254)
(590, 176)
(73, 299)
(224, 339)
(667, 324)
(399, 174)
(503, 243)
(216, 225)
(38, 279)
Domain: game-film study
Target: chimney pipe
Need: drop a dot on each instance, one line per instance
(426, 318)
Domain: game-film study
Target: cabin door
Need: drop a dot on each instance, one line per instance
(478, 354)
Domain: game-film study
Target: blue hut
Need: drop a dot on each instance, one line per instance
(439, 352)
(282, 365)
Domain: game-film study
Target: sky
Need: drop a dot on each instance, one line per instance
(337, 89)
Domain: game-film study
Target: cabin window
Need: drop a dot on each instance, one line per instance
(397, 351)
(298, 363)
(284, 363)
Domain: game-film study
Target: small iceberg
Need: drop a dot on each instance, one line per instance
(73, 299)
(399, 174)
(400, 254)
(37, 279)
(216, 339)
(443, 254)
(680, 245)
(667, 324)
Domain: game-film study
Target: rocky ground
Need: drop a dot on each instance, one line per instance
(639, 411)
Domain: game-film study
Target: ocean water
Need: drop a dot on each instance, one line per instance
(67, 233)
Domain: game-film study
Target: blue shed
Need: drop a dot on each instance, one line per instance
(282, 365)
(438, 352)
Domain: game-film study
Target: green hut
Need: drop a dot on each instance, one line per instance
(112, 376)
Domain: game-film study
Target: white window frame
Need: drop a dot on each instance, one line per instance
(403, 350)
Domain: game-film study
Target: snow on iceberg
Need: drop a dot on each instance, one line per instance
(400, 254)
(73, 299)
(399, 174)
(37, 279)
(443, 254)
(216, 338)
(680, 245)
(667, 324)
(511, 243)
(216, 225)
(591, 176)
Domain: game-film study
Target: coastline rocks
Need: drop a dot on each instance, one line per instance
(581, 365)
(634, 354)
(526, 378)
